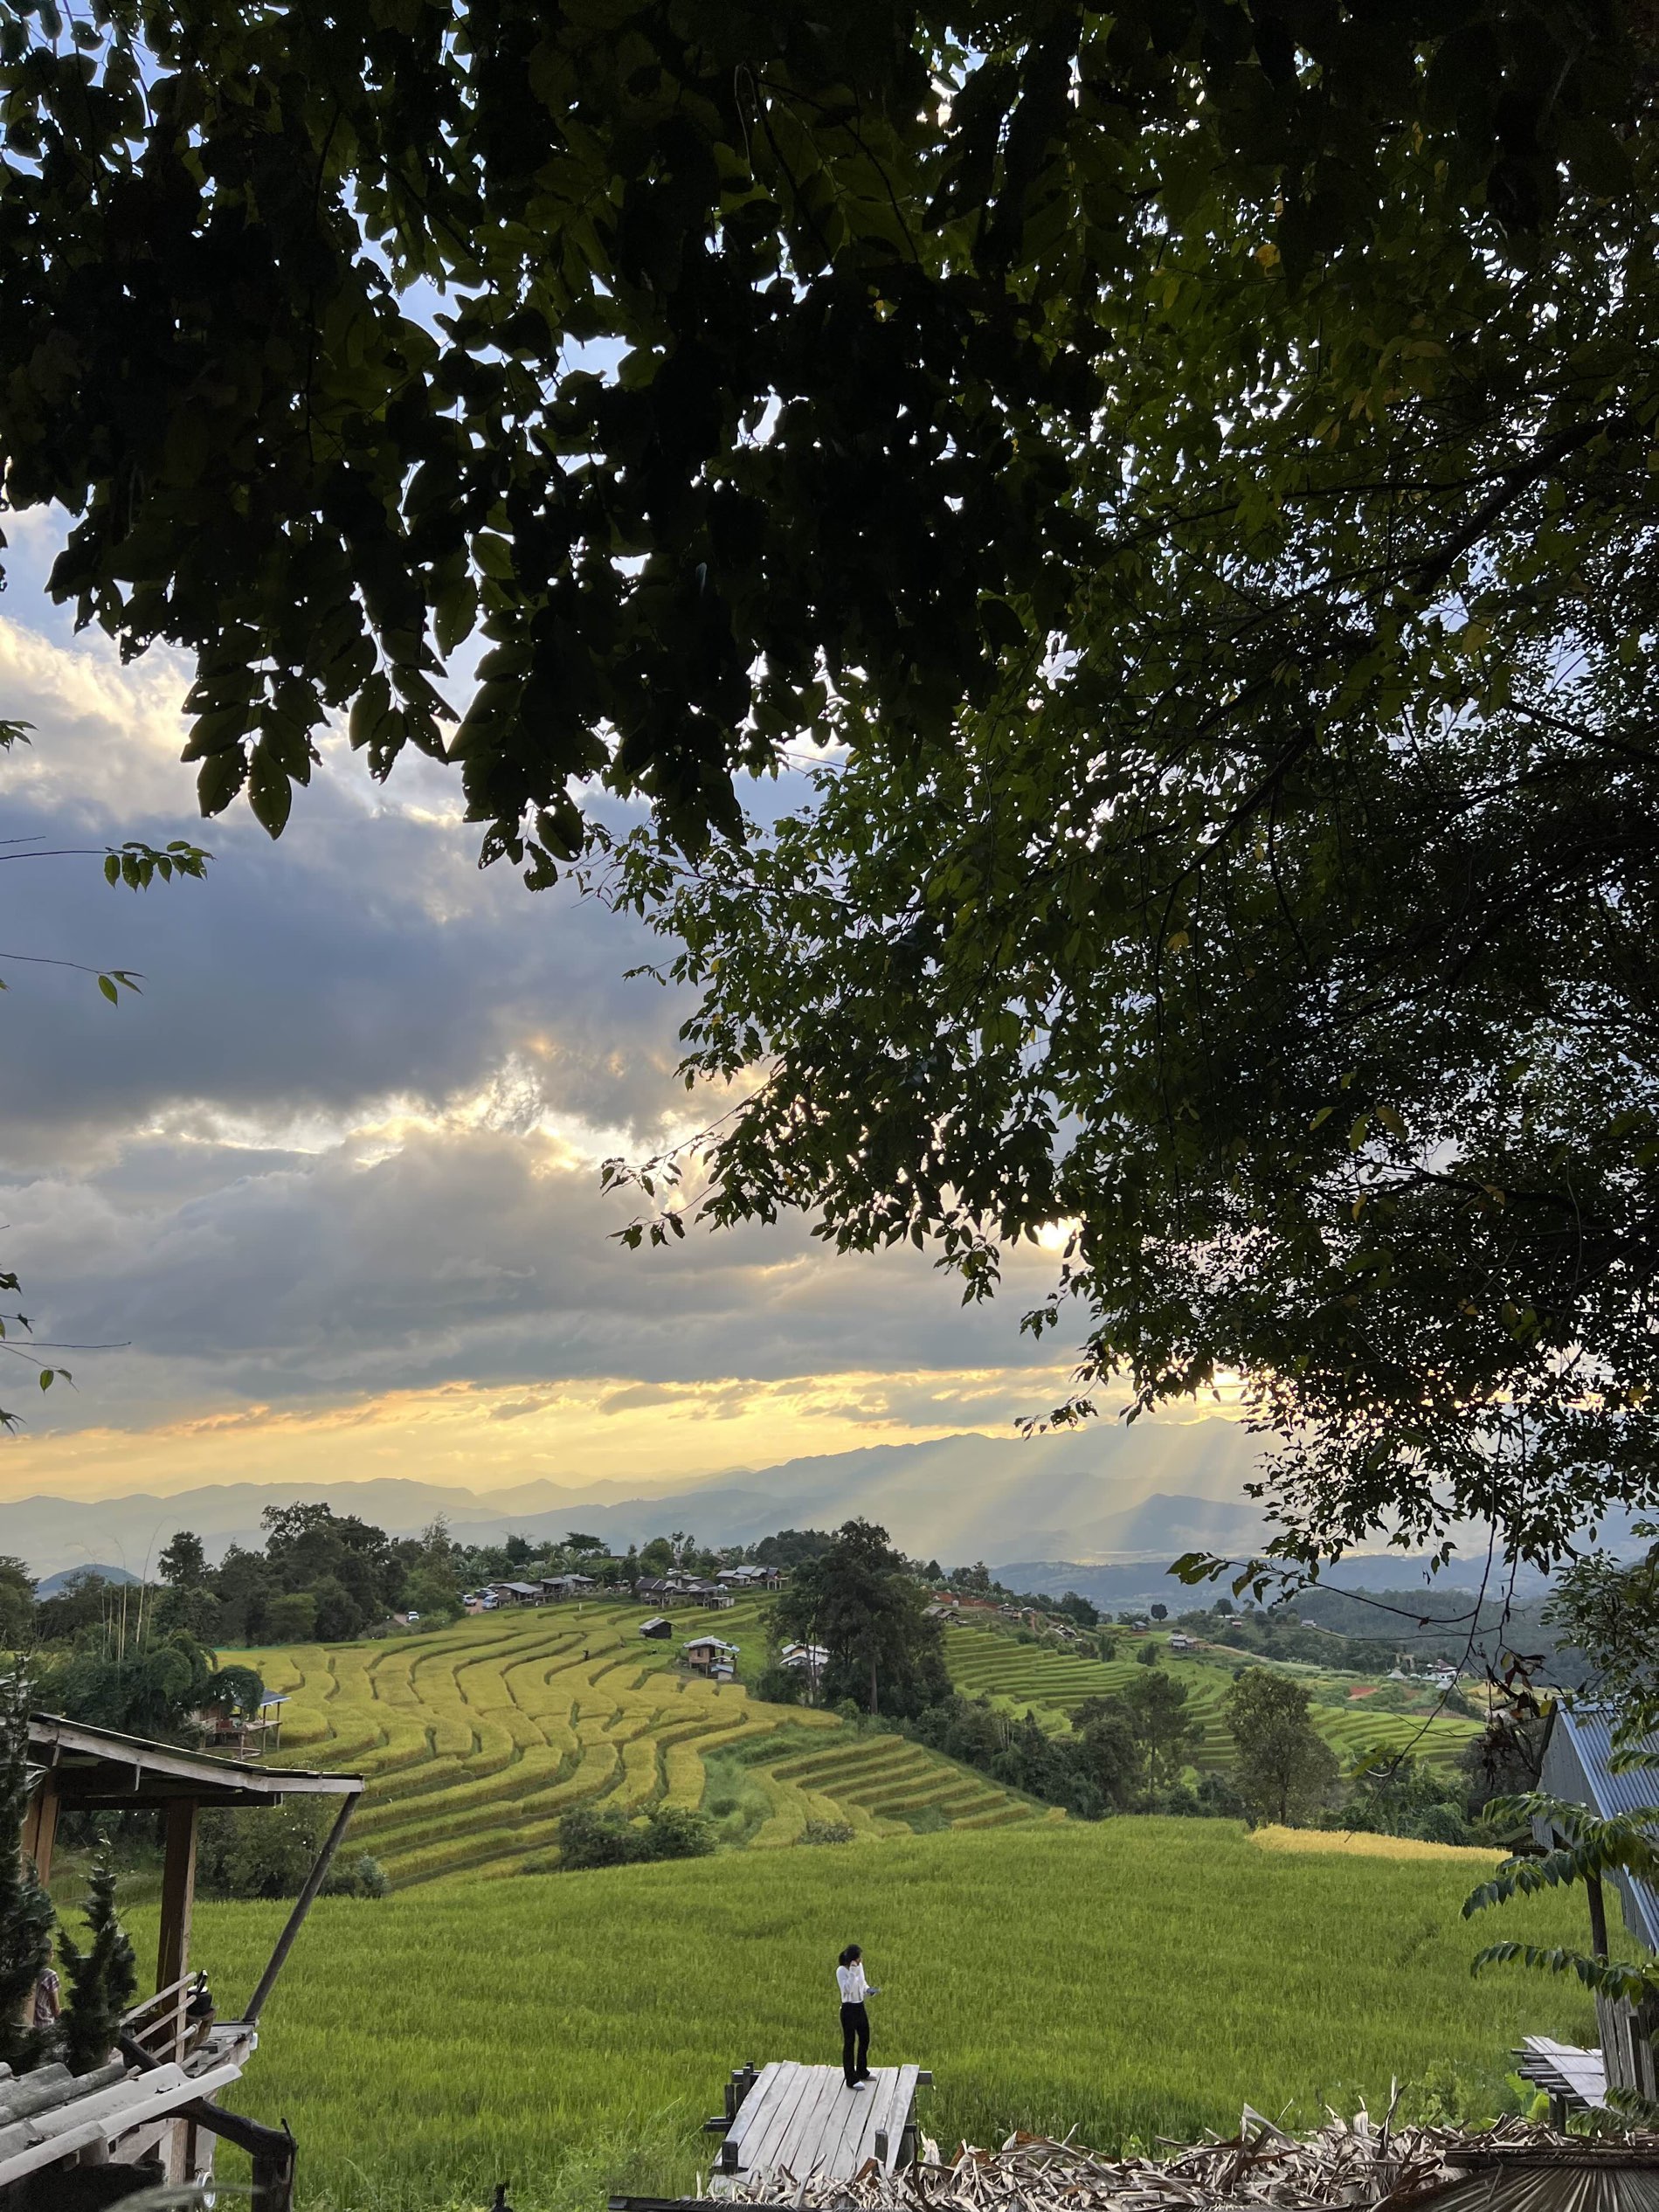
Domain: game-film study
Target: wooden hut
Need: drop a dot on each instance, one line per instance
(152, 2109)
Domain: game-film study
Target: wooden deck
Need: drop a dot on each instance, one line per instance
(800, 2121)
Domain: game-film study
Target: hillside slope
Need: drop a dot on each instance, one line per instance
(1036, 1678)
(475, 1739)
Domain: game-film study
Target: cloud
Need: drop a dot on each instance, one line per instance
(329, 1189)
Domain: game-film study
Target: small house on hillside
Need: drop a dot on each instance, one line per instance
(557, 1589)
(517, 1592)
(659, 1627)
(711, 1655)
(1178, 1642)
(1578, 1766)
(246, 1735)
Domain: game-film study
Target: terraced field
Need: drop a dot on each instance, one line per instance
(1052, 1683)
(475, 1739)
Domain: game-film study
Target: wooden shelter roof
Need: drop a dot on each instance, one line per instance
(97, 1768)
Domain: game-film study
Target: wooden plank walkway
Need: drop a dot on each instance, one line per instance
(800, 2121)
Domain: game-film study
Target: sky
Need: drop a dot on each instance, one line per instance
(329, 1191)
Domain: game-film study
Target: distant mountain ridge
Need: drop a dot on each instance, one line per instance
(1092, 1495)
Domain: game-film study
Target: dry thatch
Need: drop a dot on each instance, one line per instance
(1347, 2163)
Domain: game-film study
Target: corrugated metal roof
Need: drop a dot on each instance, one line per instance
(1578, 1764)
(1598, 2186)
(1617, 1790)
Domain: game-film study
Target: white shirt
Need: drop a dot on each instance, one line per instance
(855, 1988)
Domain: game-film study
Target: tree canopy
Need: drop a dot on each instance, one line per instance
(298, 315)
(1284, 931)
(1194, 464)
(861, 1602)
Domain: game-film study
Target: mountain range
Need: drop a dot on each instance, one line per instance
(1102, 1494)
(1101, 1510)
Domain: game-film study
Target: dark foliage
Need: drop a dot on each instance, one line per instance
(1285, 1770)
(100, 1981)
(25, 1910)
(860, 1601)
(589, 1838)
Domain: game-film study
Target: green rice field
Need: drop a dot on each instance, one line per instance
(566, 2033)
(1037, 1677)
(475, 1739)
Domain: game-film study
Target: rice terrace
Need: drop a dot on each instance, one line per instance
(476, 1739)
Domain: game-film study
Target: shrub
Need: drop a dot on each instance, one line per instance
(675, 1831)
(782, 1685)
(363, 1877)
(1442, 1823)
(263, 1851)
(588, 1839)
(597, 1839)
(827, 1832)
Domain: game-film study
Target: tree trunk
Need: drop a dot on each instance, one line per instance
(1598, 1916)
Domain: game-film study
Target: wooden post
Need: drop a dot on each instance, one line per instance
(1597, 1915)
(178, 1899)
(40, 1825)
(302, 1906)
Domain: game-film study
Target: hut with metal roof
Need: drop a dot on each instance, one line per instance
(1578, 1765)
(150, 2113)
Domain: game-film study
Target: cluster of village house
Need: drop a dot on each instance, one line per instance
(709, 1655)
(649, 1589)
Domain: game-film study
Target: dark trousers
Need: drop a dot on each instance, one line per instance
(855, 2043)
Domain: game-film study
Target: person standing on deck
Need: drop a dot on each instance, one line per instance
(855, 2022)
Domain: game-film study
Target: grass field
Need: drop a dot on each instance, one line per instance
(1131, 1978)
(475, 1739)
(1051, 1683)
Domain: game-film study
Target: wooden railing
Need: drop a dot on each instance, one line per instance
(161, 2025)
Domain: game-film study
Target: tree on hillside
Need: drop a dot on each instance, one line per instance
(17, 1604)
(184, 1560)
(789, 1547)
(1152, 1710)
(1285, 1770)
(1289, 935)
(860, 1601)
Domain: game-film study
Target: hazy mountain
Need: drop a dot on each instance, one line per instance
(1401, 1578)
(1094, 1493)
(56, 1583)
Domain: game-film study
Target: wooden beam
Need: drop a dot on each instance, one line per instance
(40, 1825)
(302, 1906)
(178, 1899)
